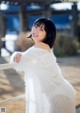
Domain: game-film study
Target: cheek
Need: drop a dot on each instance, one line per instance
(42, 35)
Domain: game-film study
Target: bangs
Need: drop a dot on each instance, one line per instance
(39, 23)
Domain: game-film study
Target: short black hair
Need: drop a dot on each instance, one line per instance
(50, 30)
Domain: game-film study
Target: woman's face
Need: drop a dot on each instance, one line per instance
(38, 33)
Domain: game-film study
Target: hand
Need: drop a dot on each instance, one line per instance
(17, 57)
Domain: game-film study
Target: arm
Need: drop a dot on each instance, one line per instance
(22, 60)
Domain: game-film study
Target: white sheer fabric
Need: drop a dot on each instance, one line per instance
(46, 90)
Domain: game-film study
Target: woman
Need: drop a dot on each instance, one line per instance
(46, 91)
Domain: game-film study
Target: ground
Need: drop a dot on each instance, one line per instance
(12, 84)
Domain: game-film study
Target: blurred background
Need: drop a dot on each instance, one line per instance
(16, 20)
(17, 17)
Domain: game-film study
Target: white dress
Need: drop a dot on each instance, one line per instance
(46, 91)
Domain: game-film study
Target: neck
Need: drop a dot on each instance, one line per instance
(40, 44)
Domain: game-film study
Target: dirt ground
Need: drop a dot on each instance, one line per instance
(12, 84)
